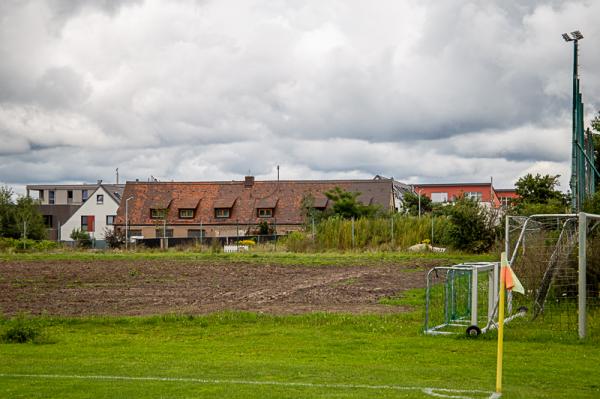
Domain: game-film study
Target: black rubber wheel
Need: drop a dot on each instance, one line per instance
(473, 332)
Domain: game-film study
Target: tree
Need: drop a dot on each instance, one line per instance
(472, 226)
(29, 221)
(347, 205)
(410, 203)
(596, 127)
(7, 216)
(539, 189)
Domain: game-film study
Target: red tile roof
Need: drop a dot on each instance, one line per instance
(284, 196)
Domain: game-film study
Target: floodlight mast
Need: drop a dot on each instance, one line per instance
(576, 187)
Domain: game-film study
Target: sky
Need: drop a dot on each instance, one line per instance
(422, 91)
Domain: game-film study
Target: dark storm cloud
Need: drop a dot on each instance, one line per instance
(433, 90)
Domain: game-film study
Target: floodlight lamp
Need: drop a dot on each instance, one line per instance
(566, 37)
(577, 35)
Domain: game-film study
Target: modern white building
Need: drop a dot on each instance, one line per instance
(95, 215)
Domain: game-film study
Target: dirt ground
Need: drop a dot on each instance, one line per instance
(77, 288)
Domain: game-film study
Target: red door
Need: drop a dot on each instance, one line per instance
(90, 223)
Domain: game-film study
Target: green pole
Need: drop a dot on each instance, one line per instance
(574, 191)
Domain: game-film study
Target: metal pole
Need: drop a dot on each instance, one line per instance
(582, 283)
(313, 227)
(392, 230)
(419, 194)
(474, 296)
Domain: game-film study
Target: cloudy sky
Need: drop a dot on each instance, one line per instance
(425, 91)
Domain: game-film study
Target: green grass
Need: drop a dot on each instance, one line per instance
(315, 348)
(285, 258)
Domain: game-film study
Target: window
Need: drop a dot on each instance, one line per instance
(84, 195)
(474, 195)
(265, 213)
(196, 233)
(160, 233)
(506, 201)
(69, 196)
(110, 220)
(48, 220)
(41, 194)
(87, 223)
(135, 233)
(100, 199)
(222, 212)
(51, 197)
(158, 213)
(439, 197)
(186, 213)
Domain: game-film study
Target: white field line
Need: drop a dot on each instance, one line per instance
(434, 392)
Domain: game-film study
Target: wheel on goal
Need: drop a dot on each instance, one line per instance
(473, 331)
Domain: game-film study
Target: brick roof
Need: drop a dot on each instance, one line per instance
(284, 196)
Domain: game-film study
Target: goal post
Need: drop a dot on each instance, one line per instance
(559, 257)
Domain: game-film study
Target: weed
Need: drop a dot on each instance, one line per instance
(23, 329)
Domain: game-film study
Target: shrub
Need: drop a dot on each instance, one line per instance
(82, 238)
(297, 242)
(473, 226)
(23, 329)
(115, 238)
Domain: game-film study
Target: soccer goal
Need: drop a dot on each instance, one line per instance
(460, 297)
(557, 258)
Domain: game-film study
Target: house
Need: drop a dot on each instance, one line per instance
(507, 196)
(232, 208)
(95, 215)
(448, 192)
(398, 189)
(57, 203)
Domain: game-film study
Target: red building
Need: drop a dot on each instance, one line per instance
(448, 192)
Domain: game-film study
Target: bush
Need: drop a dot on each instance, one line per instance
(81, 238)
(473, 226)
(297, 242)
(12, 244)
(115, 238)
(23, 329)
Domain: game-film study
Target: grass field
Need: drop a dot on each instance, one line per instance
(317, 355)
(245, 355)
(283, 258)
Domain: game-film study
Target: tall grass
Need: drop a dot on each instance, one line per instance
(384, 233)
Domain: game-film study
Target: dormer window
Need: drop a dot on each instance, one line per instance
(186, 214)
(265, 212)
(222, 213)
(158, 213)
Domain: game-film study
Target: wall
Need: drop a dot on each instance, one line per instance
(90, 207)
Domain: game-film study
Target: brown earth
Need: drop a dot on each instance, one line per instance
(77, 288)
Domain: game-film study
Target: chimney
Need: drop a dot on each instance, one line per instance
(249, 181)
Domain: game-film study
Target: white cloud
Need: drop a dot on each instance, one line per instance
(420, 90)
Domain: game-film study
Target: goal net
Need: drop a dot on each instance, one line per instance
(557, 258)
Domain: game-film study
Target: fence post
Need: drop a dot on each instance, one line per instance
(582, 283)
(432, 217)
(392, 230)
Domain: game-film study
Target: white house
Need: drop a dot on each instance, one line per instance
(96, 214)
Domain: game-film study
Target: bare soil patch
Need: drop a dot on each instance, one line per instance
(81, 288)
